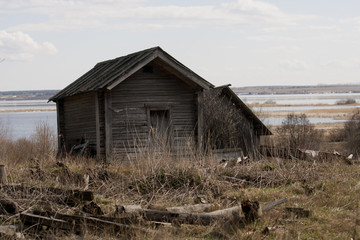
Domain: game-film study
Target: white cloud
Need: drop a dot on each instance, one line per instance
(353, 63)
(269, 38)
(294, 65)
(95, 14)
(283, 49)
(19, 46)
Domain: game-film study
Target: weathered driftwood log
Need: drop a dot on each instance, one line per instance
(238, 214)
(188, 218)
(197, 208)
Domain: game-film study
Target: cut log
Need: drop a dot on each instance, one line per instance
(197, 208)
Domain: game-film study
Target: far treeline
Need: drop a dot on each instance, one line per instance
(28, 95)
(354, 88)
(338, 88)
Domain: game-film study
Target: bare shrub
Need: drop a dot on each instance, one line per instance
(346, 101)
(351, 133)
(44, 140)
(297, 132)
(15, 151)
(224, 125)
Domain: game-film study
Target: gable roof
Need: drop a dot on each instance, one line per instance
(259, 126)
(108, 74)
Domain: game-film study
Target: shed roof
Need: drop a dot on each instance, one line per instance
(108, 74)
(249, 114)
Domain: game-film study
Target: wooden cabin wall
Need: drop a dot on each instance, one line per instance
(78, 119)
(101, 112)
(153, 86)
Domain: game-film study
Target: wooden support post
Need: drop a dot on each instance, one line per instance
(200, 119)
(97, 119)
(108, 126)
(58, 109)
(3, 175)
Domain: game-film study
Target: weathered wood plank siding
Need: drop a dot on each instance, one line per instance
(132, 98)
(79, 119)
(101, 101)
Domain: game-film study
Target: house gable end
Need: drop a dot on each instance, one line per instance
(170, 64)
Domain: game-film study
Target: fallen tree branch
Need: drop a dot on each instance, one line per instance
(269, 206)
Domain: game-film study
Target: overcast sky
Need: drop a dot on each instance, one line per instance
(47, 44)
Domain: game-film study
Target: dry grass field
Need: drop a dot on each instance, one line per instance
(327, 189)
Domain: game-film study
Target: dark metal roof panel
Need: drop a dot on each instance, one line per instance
(100, 75)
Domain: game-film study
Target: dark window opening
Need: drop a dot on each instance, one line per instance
(160, 121)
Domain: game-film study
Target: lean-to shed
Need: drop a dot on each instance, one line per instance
(122, 104)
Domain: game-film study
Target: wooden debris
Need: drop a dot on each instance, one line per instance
(76, 223)
(65, 193)
(128, 209)
(197, 208)
(32, 219)
(269, 206)
(181, 218)
(251, 210)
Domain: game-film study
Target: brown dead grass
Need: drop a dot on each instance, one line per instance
(330, 190)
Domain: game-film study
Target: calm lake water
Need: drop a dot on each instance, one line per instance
(298, 99)
(23, 124)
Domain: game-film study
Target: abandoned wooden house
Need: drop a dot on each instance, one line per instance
(121, 105)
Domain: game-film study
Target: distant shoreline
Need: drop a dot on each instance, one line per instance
(27, 110)
(251, 90)
(279, 90)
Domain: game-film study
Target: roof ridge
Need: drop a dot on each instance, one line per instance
(128, 55)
